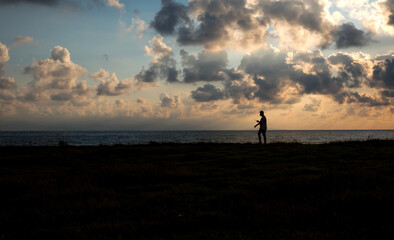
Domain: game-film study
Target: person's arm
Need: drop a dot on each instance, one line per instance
(257, 123)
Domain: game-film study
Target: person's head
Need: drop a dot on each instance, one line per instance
(261, 113)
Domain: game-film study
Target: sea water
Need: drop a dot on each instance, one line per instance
(95, 138)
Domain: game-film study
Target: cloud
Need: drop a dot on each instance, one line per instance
(61, 54)
(347, 35)
(214, 24)
(270, 72)
(163, 65)
(109, 84)
(355, 97)
(7, 84)
(207, 66)
(168, 101)
(383, 74)
(139, 26)
(207, 93)
(115, 3)
(389, 4)
(21, 40)
(56, 79)
(209, 23)
(352, 72)
(170, 15)
(58, 72)
(276, 77)
(78, 95)
(242, 88)
(247, 24)
(314, 106)
(307, 14)
(4, 56)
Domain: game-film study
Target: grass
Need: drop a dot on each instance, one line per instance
(341, 190)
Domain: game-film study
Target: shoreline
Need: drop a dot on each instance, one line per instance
(62, 143)
(199, 191)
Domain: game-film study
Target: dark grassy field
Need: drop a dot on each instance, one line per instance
(198, 191)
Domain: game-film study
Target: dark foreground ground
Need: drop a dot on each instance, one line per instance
(198, 191)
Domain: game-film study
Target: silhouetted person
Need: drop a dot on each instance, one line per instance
(263, 127)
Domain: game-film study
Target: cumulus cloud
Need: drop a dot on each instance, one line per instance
(247, 24)
(4, 57)
(163, 65)
(389, 4)
(383, 74)
(115, 3)
(56, 79)
(7, 84)
(347, 35)
(208, 23)
(207, 93)
(169, 102)
(242, 88)
(58, 72)
(139, 26)
(109, 84)
(350, 71)
(207, 66)
(269, 71)
(170, 15)
(275, 77)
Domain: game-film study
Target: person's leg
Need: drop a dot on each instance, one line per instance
(259, 134)
(265, 137)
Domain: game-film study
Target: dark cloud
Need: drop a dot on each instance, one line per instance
(307, 14)
(383, 74)
(347, 35)
(389, 94)
(7, 83)
(207, 66)
(168, 101)
(170, 15)
(210, 31)
(207, 23)
(269, 71)
(240, 89)
(390, 8)
(207, 93)
(213, 24)
(351, 72)
(278, 78)
(352, 97)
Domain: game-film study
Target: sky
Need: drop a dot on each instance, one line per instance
(196, 65)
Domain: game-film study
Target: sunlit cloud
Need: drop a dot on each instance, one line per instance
(116, 4)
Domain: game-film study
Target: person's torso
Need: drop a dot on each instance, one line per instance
(263, 122)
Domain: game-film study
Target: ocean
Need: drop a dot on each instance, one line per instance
(95, 138)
